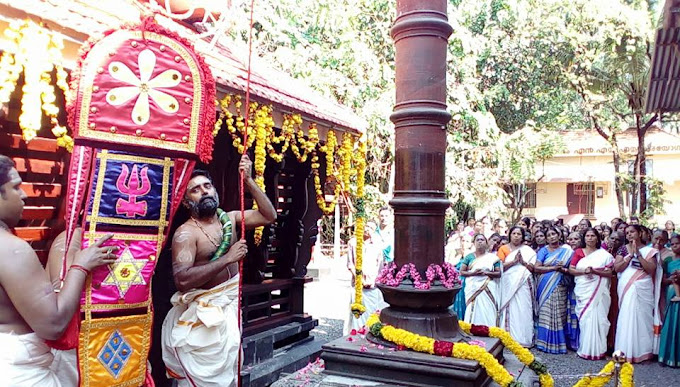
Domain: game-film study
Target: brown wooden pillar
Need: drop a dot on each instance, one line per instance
(420, 34)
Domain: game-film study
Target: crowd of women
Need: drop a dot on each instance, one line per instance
(593, 290)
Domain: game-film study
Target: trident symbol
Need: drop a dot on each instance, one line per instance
(132, 188)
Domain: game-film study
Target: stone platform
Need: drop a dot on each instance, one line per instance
(277, 351)
(384, 368)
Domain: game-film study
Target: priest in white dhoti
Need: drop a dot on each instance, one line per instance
(201, 334)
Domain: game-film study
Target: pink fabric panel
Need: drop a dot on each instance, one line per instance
(129, 279)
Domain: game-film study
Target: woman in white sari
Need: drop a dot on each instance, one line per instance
(481, 289)
(517, 288)
(638, 298)
(591, 267)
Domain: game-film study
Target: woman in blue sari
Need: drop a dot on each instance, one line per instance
(552, 262)
(669, 347)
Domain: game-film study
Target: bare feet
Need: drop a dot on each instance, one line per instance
(675, 299)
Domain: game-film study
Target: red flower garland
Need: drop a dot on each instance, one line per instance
(479, 330)
(443, 348)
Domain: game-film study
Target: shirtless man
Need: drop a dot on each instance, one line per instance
(201, 336)
(30, 310)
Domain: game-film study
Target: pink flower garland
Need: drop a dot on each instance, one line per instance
(448, 280)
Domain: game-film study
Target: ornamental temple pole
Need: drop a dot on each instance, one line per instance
(420, 33)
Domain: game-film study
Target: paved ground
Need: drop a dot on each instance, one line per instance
(328, 300)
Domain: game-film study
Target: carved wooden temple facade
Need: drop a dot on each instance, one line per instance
(275, 271)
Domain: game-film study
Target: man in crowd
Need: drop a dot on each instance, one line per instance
(386, 233)
(30, 310)
(201, 335)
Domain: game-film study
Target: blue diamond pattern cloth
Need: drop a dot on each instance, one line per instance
(115, 353)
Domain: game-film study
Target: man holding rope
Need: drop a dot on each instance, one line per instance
(201, 333)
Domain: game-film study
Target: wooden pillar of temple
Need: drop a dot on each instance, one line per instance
(420, 34)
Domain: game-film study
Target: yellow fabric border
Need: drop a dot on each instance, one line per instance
(95, 219)
(99, 54)
(86, 357)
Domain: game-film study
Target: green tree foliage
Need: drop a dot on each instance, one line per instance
(343, 50)
(518, 70)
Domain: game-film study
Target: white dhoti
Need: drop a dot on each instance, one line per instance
(25, 361)
(65, 366)
(201, 338)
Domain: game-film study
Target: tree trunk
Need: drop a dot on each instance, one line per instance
(641, 161)
(611, 138)
(635, 191)
(617, 177)
(641, 184)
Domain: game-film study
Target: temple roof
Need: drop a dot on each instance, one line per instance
(79, 19)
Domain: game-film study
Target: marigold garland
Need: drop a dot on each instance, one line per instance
(292, 137)
(30, 41)
(358, 307)
(262, 121)
(606, 374)
(522, 354)
(443, 348)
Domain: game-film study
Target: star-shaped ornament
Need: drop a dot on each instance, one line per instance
(125, 272)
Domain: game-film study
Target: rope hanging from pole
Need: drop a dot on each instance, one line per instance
(242, 184)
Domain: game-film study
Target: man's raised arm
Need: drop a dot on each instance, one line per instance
(265, 213)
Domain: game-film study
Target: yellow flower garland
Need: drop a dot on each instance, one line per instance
(358, 307)
(606, 374)
(30, 41)
(329, 150)
(262, 122)
(522, 354)
(426, 345)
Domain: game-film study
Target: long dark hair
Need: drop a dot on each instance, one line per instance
(597, 234)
